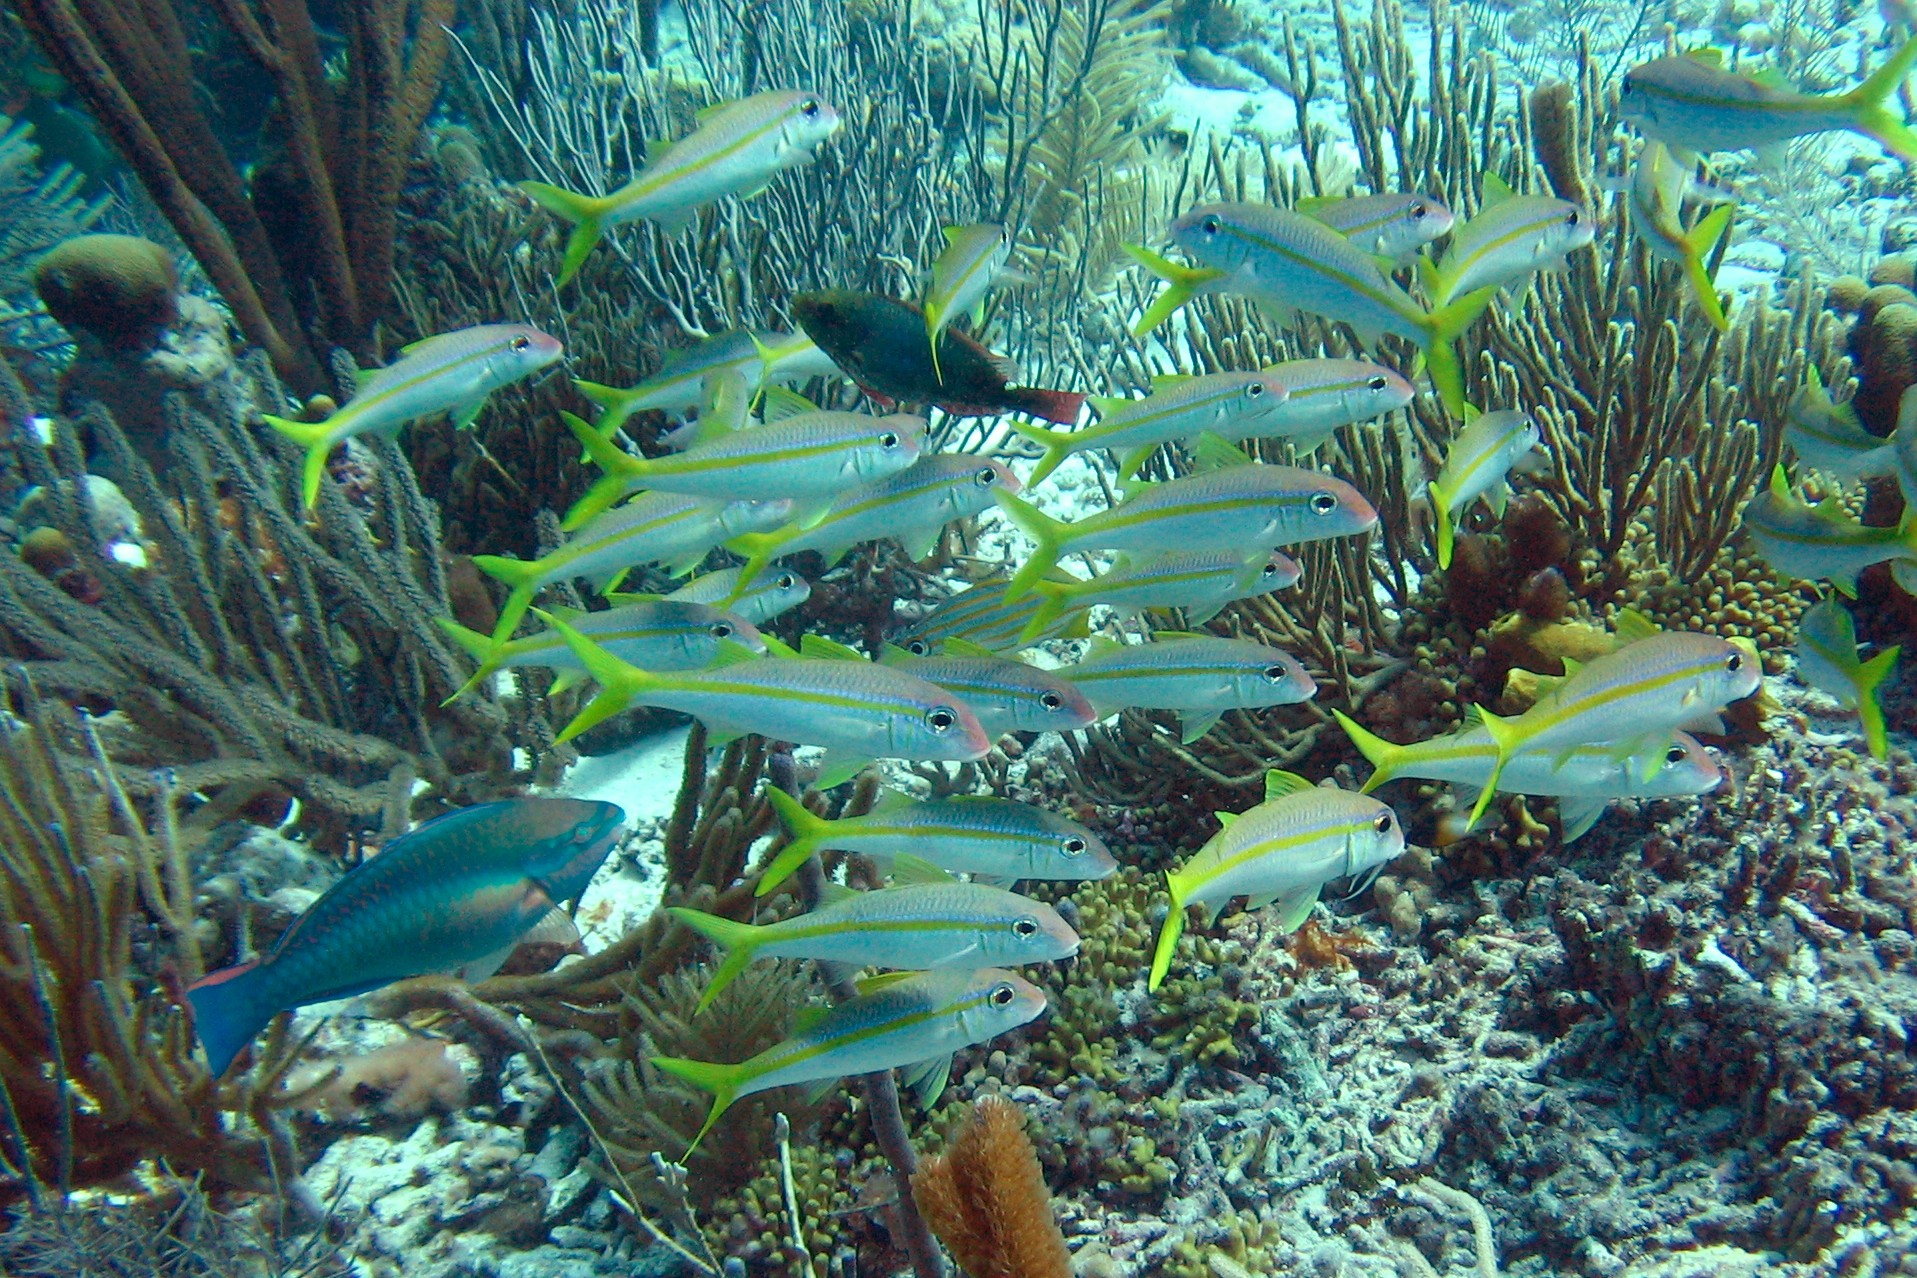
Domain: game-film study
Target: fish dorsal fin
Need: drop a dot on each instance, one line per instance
(1312, 205)
(705, 113)
(1571, 666)
(1474, 715)
(823, 649)
(618, 599)
(1165, 381)
(894, 801)
(1771, 78)
(1496, 190)
(730, 652)
(1175, 635)
(894, 655)
(883, 981)
(1213, 452)
(777, 647)
(1278, 784)
(951, 233)
(1104, 646)
(781, 402)
(956, 647)
(1781, 482)
(1106, 405)
(1631, 626)
(833, 893)
(1706, 55)
(1225, 819)
(907, 868)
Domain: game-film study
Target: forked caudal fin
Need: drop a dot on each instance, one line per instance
(1507, 737)
(228, 1011)
(740, 941)
(1698, 243)
(1173, 929)
(806, 832)
(1869, 709)
(317, 439)
(723, 1081)
(1049, 533)
(485, 649)
(621, 684)
(1056, 443)
(1383, 755)
(1869, 105)
(1182, 283)
(585, 211)
(1442, 328)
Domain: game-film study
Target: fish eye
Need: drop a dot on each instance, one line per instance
(809, 107)
(1270, 571)
(1275, 674)
(522, 342)
(1383, 824)
(918, 647)
(582, 833)
(786, 581)
(1210, 225)
(1379, 382)
(1255, 389)
(1025, 927)
(1073, 846)
(1676, 754)
(1050, 700)
(941, 719)
(721, 630)
(1419, 210)
(1734, 662)
(889, 439)
(986, 477)
(1323, 503)
(1572, 218)
(1001, 995)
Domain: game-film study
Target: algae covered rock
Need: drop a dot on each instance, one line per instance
(119, 288)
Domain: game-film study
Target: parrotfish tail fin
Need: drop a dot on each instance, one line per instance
(522, 575)
(585, 211)
(1698, 243)
(1174, 928)
(1441, 516)
(1443, 327)
(1871, 112)
(485, 649)
(1181, 285)
(1041, 528)
(1382, 754)
(614, 404)
(739, 940)
(1871, 674)
(602, 495)
(721, 1080)
(228, 1010)
(621, 684)
(316, 439)
(1504, 732)
(1056, 443)
(806, 832)
(1057, 406)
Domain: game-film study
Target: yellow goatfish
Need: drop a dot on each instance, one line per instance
(737, 149)
(451, 372)
(1656, 202)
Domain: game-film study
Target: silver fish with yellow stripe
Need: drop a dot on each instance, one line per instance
(1655, 199)
(1201, 582)
(450, 372)
(1829, 660)
(1584, 779)
(737, 149)
(857, 710)
(914, 927)
(1821, 542)
(1636, 697)
(1828, 436)
(1392, 225)
(972, 262)
(655, 634)
(982, 614)
(1244, 507)
(1180, 407)
(917, 1020)
(1006, 694)
(1281, 852)
(661, 528)
(758, 598)
(1479, 464)
(1511, 237)
(996, 839)
(1198, 676)
(688, 375)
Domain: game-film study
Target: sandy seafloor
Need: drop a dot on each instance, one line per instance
(1509, 1049)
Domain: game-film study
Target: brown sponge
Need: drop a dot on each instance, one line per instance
(119, 288)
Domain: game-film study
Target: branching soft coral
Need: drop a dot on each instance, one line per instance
(986, 1199)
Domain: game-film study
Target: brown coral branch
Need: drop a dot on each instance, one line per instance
(986, 1199)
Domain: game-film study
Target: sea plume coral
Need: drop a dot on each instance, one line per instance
(986, 1199)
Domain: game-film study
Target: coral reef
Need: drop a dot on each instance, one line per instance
(120, 289)
(985, 1198)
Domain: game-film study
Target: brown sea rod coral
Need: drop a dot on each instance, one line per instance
(986, 1199)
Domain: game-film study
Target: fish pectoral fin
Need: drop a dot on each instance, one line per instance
(464, 415)
(907, 868)
(835, 770)
(477, 970)
(833, 893)
(1712, 723)
(1577, 816)
(928, 1078)
(1194, 724)
(919, 543)
(819, 1088)
(555, 927)
(673, 221)
(1294, 906)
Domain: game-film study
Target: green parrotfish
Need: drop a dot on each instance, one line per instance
(458, 893)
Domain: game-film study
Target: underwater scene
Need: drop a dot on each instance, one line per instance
(1008, 638)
